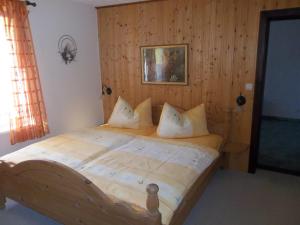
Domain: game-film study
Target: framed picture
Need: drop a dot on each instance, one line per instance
(165, 64)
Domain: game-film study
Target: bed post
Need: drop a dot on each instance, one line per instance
(2, 200)
(153, 203)
(2, 196)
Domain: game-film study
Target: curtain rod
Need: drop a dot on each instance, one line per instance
(29, 3)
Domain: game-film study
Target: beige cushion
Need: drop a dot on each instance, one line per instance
(191, 123)
(123, 116)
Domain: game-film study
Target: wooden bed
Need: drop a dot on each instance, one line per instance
(65, 195)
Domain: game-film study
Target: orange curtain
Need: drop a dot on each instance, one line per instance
(28, 119)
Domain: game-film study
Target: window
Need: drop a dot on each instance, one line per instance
(7, 108)
(22, 109)
(5, 83)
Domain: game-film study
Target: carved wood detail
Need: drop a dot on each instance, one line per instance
(65, 195)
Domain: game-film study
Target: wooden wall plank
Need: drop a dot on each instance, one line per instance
(222, 37)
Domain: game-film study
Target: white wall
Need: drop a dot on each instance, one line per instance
(282, 86)
(72, 93)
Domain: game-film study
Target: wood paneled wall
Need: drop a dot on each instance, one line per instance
(222, 37)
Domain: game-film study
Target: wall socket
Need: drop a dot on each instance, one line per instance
(249, 86)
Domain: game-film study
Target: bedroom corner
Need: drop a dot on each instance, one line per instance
(72, 93)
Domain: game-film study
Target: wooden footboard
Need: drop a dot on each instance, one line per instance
(68, 197)
(2, 200)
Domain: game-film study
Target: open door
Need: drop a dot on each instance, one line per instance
(271, 119)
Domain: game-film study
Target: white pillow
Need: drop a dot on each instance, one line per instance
(123, 116)
(173, 124)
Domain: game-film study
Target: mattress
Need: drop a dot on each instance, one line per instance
(123, 162)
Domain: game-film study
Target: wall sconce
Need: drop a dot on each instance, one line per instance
(241, 100)
(29, 3)
(106, 90)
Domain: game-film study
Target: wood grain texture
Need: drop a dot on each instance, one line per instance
(2, 200)
(222, 37)
(68, 197)
(65, 195)
(2, 196)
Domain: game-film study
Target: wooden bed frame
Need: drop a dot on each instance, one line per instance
(63, 194)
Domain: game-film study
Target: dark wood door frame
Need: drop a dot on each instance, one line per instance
(265, 18)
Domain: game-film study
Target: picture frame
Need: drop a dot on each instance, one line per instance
(165, 64)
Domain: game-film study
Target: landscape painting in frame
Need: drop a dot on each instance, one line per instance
(166, 64)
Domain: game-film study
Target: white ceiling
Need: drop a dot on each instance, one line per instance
(108, 2)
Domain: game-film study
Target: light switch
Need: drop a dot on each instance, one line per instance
(249, 86)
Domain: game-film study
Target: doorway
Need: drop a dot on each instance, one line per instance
(275, 140)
